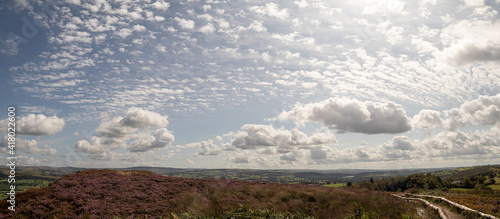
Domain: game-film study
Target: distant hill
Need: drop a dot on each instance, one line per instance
(113, 193)
(471, 172)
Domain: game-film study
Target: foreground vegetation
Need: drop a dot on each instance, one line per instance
(474, 187)
(140, 194)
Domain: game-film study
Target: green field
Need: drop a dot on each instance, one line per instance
(336, 185)
(496, 186)
(460, 189)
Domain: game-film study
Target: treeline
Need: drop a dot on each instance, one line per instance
(427, 182)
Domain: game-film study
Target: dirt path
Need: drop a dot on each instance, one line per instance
(444, 212)
(449, 214)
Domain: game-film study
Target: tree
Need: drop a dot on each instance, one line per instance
(467, 183)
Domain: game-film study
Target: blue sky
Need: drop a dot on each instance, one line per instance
(252, 84)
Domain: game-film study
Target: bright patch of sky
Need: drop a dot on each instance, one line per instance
(252, 84)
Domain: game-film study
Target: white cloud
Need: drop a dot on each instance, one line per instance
(403, 143)
(257, 26)
(474, 3)
(384, 7)
(37, 125)
(301, 3)
(124, 32)
(139, 28)
(140, 118)
(209, 28)
(161, 5)
(145, 142)
(184, 23)
(97, 148)
(485, 109)
(292, 156)
(319, 153)
(135, 126)
(471, 41)
(245, 157)
(348, 115)
(428, 119)
(27, 146)
(253, 136)
(207, 148)
(76, 2)
(271, 10)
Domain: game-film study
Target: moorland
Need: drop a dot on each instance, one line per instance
(152, 192)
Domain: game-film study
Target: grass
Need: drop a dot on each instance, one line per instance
(460, 189)
(336, 185)
(22, 185)
(496, 186)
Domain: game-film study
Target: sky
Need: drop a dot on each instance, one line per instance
(303, 84)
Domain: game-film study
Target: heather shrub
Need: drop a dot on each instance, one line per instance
(140, 194)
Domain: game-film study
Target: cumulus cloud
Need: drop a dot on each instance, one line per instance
(244, 157)
(208, 148)
(347, 115)
(471, 41)
(139, 118)
(97, 148)
(485, 109)
(292, 156)
(28, 147)
(271, 10)
(319, 153)
(37, 125)
(428, 119)
(145, 142)
(209, 28)
(184, 23)
(161, 5)
(293, 147)
(458, 143)
(472, 53)
(135, 127)
(253, 136)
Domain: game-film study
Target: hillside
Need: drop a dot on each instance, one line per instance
(471, 172)
(123, 194)
(36, 177)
